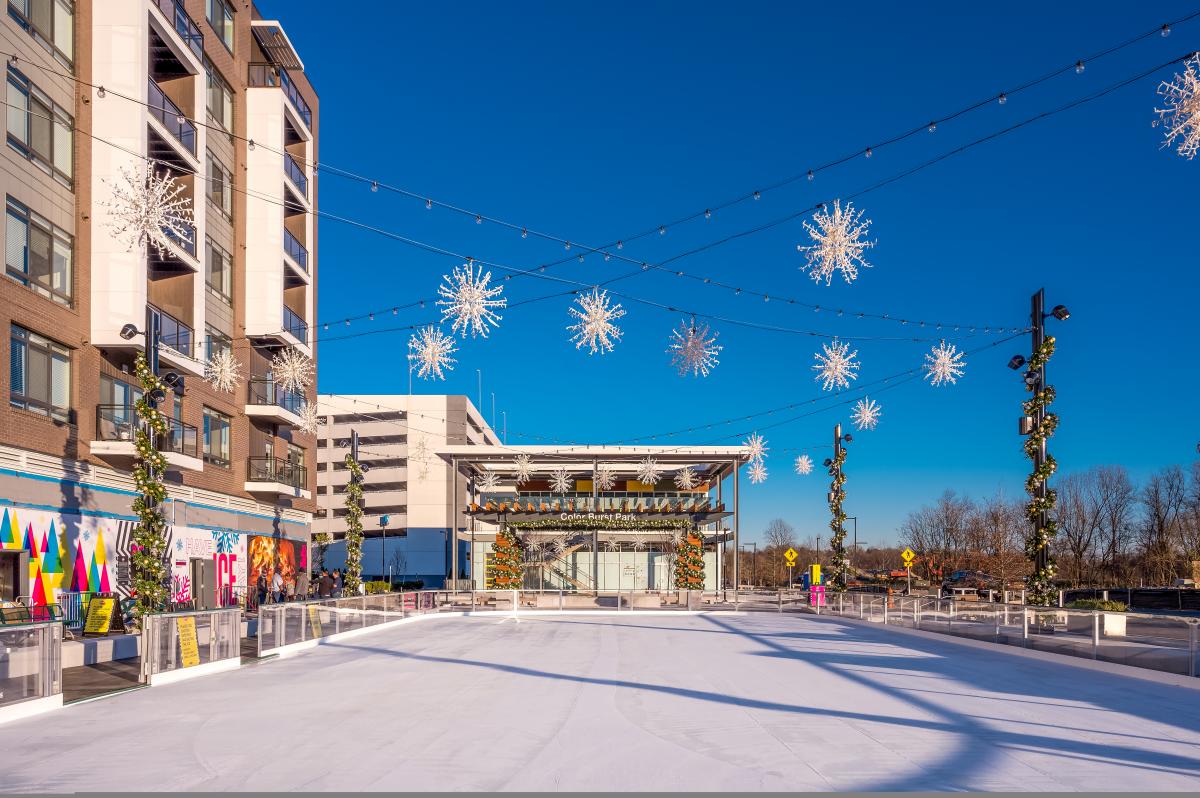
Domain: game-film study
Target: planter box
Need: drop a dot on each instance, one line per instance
(1112, 624)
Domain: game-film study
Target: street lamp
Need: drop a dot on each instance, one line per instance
(753, 561)
(383, 524)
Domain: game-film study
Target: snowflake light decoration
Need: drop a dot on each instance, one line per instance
(534, 552)
(488, 482)
(1180, 116)
(595, 328)
(756, 445)
(524, 468)
(559, 545)
(611, 545)
(840, 243)
(560, 480)
(293, 371)
(468, 299)
(686, 478)
(148, 209)
(649, 471)
(804, 465)
(639, 544)
(866, 413)
(605, 477)
(757, 472)
(310, 419)
(418, 452)
(223, 371)
(836, 365)
(429, 350)
(693, 349)
(944, 363)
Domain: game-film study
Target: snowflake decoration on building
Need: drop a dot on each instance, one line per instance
(944, 364)
(866, 413)
(804, 465)
(649, 471)
(148, 209)
(605, 477)
(310, 419)
(560, 480)
(639, 544)
(524, 468)
(686, 478)
(611, 545)
(1180, 116)
(693, 349)
(429, 350)
(757, 472)
(223, 371)
(836, 366)
(468, 299)
(293, 371)
(559, 545)
(840, 242)
(534, 552)
(595, 328)
(488, 482)
(756, 447)
(418, 452)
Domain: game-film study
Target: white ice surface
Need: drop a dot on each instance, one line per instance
(634, 702)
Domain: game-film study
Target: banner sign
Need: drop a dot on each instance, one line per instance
(189, 646)
(99, 619)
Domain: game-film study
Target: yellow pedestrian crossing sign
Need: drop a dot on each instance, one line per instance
(908, 555)
(790, 555)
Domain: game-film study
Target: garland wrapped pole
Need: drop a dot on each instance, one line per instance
(149, 544)
(689, 562)
(840, 562)
(354, 527)
(506, 561)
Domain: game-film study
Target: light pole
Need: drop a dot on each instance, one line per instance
(384, 520)
(753, 563)
(836, 495)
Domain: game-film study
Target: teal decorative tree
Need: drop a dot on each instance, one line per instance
(149, 543)
(354, 529)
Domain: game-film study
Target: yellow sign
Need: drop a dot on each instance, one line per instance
(908, 555)
(791, 555)
(314, 621)
(189, 647)
(814, 574)
(790, 563)
(99, 616)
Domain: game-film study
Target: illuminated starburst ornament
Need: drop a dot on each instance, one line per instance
(149, 209)
(649, 471)
(310, 419)
(836, 365)
(533, 552)
(468, 299)
(757, 472)
(693, 349)
(611, 545)
(840, 243)
(523, 464)
(804, 465)
(604, 477)
(1180, 115)
(559, 545)
(686, 478)
(429, 350)
(293, 371)
(560, 480)
(418, 453)
(639, 544)
(223, 371)
(944, 364)
(595, 328)
(488, 482)
(756, 447)
(866, 413)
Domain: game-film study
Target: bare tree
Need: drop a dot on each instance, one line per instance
(1117, 498)
(780, 534)
(1079, 519)
(1163, 499)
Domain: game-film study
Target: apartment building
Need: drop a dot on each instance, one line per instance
(405, 481)
(216, 97)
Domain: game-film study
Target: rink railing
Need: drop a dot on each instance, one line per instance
(177, 645)
(30, 668)
(1165, 643)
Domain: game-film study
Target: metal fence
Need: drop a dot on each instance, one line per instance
(293, 622)
(30, 662)
(177, 640)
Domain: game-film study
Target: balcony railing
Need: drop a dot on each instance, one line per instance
(294, 324)
(173, 333)
(187, 29)
(294, 249)
(274, 469)
(171, 117)
(186, 242)
(180, 438)
(120, 423)
(264, 75)
(267, 392)
(295, 174)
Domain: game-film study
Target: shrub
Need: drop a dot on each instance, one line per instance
(378, 587)
(1097, 604)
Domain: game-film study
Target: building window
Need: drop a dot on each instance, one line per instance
(295, 455)
(220, 97)
(37, 254)
(218, 270)
(50, 22)
(217, 341)
(40, 130)
(39, 375)
(220, 16)
(216, 437)
(220, 186)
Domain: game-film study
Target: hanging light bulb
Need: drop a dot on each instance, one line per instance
(810, 174)
(428, 204)
(1078, 67)
(620, 245)
(370, 317)
(101, 93)
(707, 213)
(566, 245)
(757, 195)
(870, 152)
(524, 233)
(180, 119)
(581, 257)
(1003, 98)
(662, 231)
(395, 311)
(478, 219)
(1165, 30)
(250, 144)
(932, 126)
(374, 186)
(606, 257)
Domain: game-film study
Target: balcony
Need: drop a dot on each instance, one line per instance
(268, 75)
(116, 428)
(295, 173)
(177, 343)
(173, 121)
(187, 29)
(277, 476)
(293, 249)
(268, 401)
(296, 326)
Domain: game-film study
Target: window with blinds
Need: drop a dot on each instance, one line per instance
(216, 437)
(220, 186)
(37, 254)
(39, 375)
(219, 271)
(220, 97)
(39, 129)
(50, 22)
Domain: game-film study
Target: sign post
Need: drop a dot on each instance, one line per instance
(789, 557)
(908, 555)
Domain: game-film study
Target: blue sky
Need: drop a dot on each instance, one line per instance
(594, 121)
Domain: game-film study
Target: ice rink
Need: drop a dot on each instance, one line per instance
(703, 702)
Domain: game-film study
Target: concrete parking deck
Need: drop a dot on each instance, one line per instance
(682, 702)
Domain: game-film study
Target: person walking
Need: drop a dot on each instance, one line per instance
(277, 587)
(337, 583)
(325, 584)
(302, 585)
